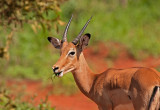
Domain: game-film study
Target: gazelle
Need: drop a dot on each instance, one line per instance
(112, 89)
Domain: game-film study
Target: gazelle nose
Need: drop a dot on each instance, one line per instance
(55, 69)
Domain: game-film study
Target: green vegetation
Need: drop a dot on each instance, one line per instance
(136, 26)
(65, 85)
(7, 103)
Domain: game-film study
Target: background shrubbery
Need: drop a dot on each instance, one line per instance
(134, 24)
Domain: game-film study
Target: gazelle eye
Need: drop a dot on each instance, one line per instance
(71, 53)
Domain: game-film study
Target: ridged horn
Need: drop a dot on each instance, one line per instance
(75, 41)
(66, 30)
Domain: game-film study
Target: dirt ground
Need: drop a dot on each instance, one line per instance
(34, 92)
(99, 56)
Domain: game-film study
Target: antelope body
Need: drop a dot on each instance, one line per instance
(115, 89)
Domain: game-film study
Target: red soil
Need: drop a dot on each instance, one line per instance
(79, 101)
(122, 60)
(61, 102)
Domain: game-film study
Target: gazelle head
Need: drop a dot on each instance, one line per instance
(69, 51)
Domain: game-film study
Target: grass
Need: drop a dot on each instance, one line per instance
(7, 103)
(31, 57)
(135, 26)
(9, 100)
(65, 85)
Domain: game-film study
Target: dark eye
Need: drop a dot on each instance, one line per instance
(72, 53)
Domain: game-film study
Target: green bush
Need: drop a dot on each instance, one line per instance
(136, 26)
(7, 103)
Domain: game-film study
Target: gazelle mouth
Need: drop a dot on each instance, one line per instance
(59, 74)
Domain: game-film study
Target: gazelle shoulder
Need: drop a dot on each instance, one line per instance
(146, 77)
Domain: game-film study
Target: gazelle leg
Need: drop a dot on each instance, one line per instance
(138, 97)
(143, 90)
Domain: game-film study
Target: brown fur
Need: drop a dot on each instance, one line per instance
(114, 89)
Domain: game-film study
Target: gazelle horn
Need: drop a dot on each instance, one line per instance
(66, 30)
(75, 41)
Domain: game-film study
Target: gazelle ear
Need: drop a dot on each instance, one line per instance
(84, 41)
(55, 42)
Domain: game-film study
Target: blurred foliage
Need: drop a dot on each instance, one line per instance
(35, 12)
(133, 24)
(65, 85)
(30, 21)
(4, 51)
(136, 26)
(7, 103)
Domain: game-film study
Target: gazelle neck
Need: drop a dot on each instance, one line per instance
(83, 75)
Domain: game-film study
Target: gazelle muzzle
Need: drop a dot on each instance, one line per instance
(56, 72)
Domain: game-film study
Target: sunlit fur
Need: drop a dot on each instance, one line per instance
(114, 89)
